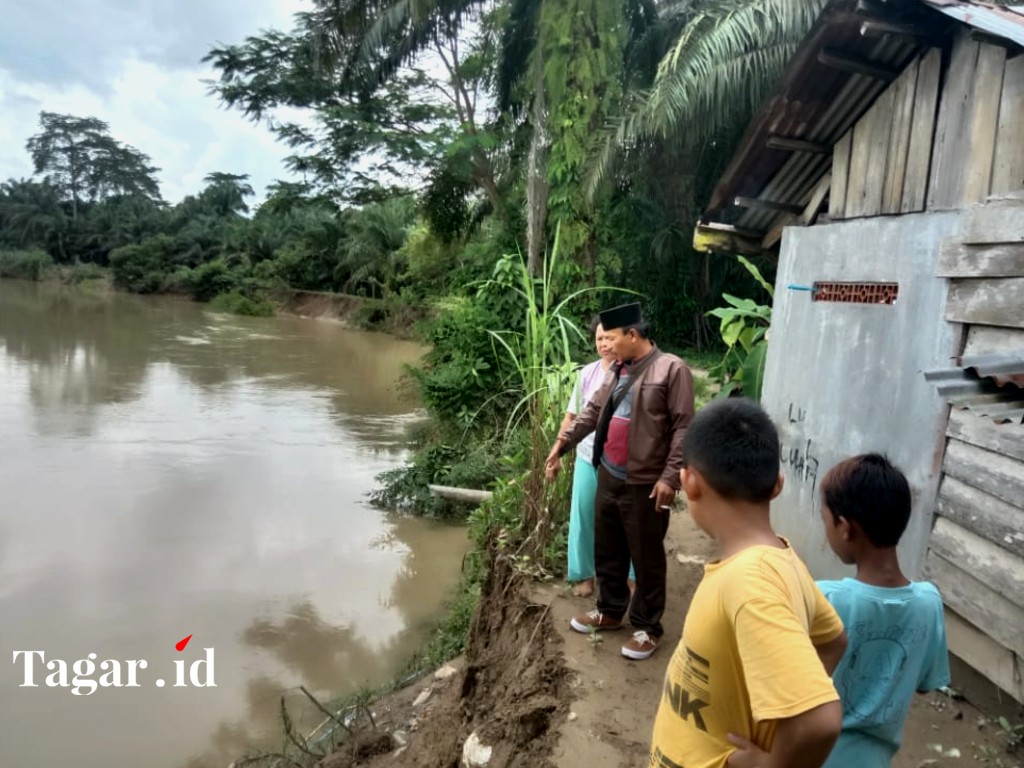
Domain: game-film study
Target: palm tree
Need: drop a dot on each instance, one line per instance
(370, 250)
(225, 193)
(727, 57)
(34, 213)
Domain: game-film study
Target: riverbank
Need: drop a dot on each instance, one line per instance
(352, 311)
(358, 312)
(530, 692)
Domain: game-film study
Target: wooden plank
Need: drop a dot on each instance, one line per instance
(983, 339)
(836, 59)
(987, 91)
(983, 514)
(922, 131)
(878, 152)
(999, 260)
(766, 205)
(952, 133)
(775, 233)
(860, 161)
(996, 616)
(988, 301)
(840, 176)
(899, 139)
(818, 195)
(1004, 439)
(1000, 665)
(787, 144)
(1001, 222)
(1001, 476)
(1001, 570)
(916, 32)
(1008, 167)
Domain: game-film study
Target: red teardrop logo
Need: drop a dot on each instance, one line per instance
(180, 645)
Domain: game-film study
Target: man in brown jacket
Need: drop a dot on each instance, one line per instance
(639, 416)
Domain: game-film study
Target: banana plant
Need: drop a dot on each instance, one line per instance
(744, 326)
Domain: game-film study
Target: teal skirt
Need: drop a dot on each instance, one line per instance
(581, 521)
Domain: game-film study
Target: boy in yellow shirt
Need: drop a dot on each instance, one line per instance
(748, 684)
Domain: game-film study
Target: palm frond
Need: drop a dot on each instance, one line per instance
(748, 39)
(725, 61)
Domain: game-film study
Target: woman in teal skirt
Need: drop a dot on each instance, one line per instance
(584, 478)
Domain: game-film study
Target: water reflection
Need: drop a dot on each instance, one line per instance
(166, 471)
(83, 351)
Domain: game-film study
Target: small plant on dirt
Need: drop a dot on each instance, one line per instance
(1013, 733)
(595, 637)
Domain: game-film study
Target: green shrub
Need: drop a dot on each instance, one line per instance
(143, 268)
(178, 281)
(467, 464)
(237, 304)
(460, 381)
(25, 265)
(212, 278)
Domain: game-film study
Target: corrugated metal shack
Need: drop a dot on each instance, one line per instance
(887, 173)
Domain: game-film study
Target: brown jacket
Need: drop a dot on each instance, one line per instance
(662, 409)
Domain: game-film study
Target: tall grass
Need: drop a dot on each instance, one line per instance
(540, 353)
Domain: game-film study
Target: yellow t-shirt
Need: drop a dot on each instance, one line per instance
(746, 658)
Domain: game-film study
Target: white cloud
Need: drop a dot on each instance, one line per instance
(143, 77)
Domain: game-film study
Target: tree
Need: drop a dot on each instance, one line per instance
(225, 193)
(31, 214)
(371, 251)
(78, 157)
(364, 139)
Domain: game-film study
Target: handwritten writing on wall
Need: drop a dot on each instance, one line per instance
(801, 458)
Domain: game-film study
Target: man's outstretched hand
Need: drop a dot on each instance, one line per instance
(552, 464)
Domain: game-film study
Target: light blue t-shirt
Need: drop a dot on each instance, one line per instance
(897, 645)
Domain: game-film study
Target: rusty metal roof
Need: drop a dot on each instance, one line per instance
(990, 385)
(1006, 22)
(818, 104)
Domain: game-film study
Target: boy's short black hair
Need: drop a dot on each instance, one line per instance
(735, 447)
(868, 490)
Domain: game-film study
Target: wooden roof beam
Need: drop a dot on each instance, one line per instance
(766, 205)
(1012, 49)
(797, 145)
(916, 32)
(838, 60)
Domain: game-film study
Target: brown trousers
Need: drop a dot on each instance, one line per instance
(627, 526)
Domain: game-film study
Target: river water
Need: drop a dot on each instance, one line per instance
(168, 471)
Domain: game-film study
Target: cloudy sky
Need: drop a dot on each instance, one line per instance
(135, 64)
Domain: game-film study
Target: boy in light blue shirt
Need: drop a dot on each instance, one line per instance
(897, 635)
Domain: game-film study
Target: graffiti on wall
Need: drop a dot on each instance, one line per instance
(801, 457)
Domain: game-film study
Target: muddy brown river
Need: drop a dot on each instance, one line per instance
(168, 471)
